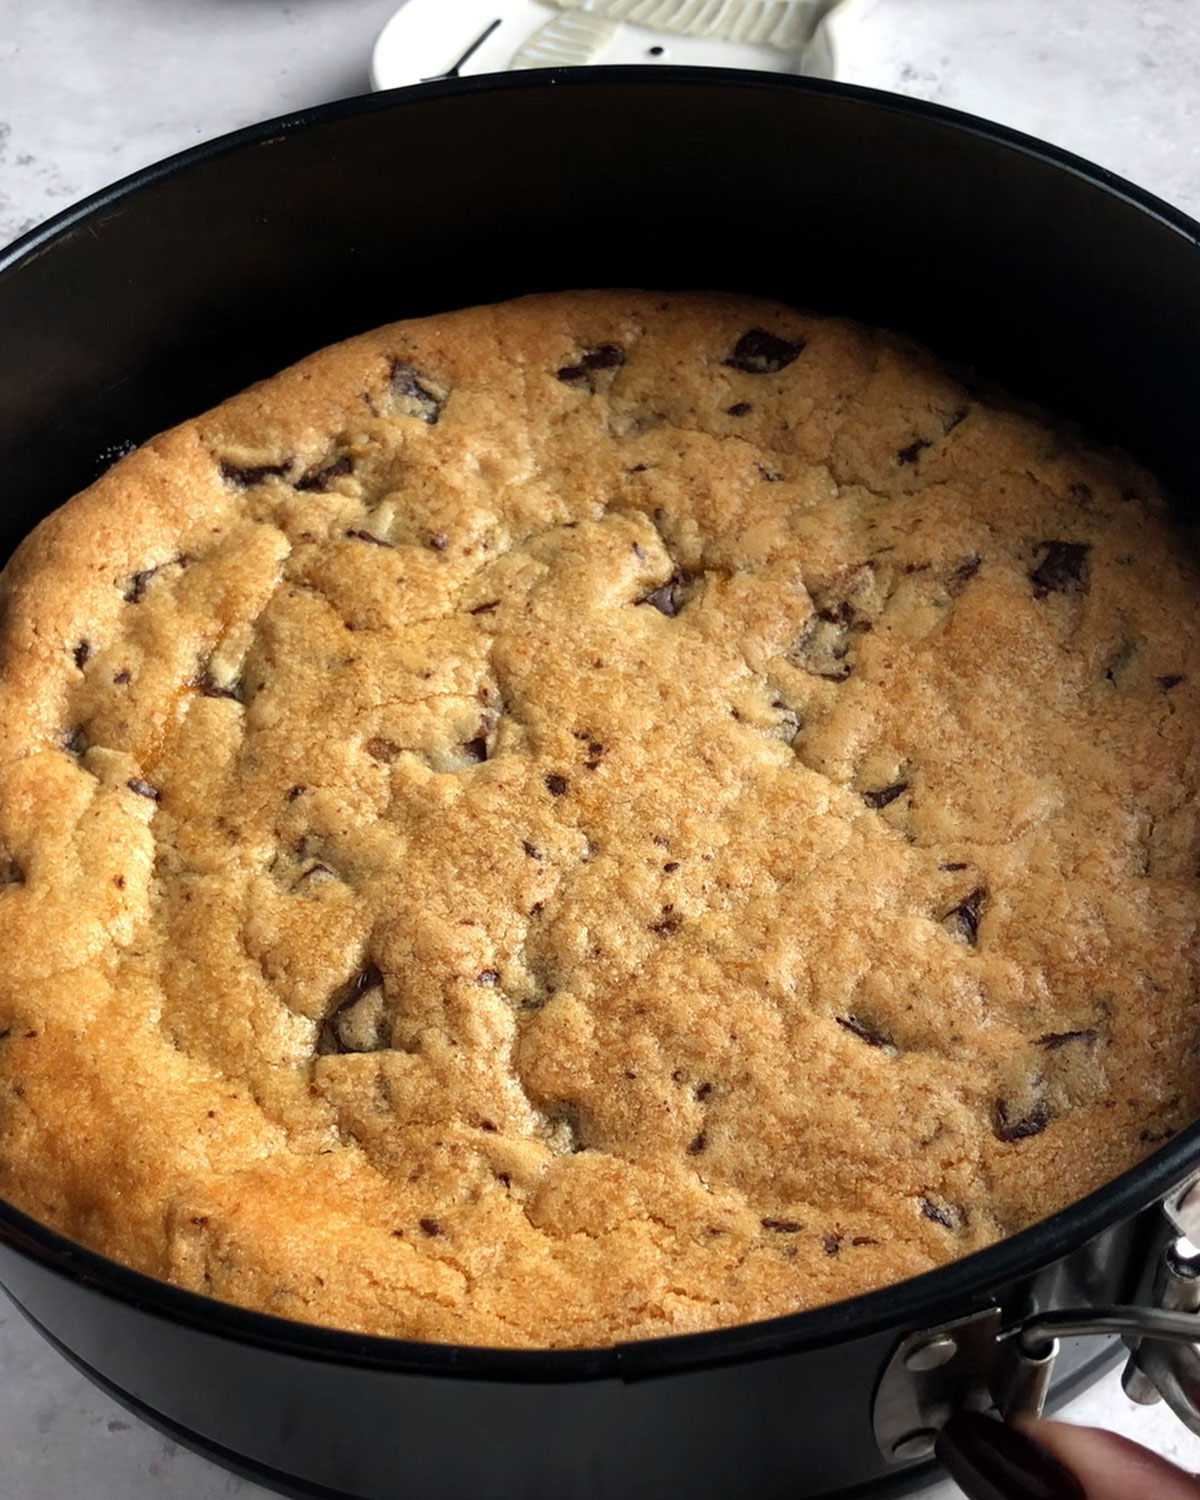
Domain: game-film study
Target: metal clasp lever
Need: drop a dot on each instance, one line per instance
(977, 1364)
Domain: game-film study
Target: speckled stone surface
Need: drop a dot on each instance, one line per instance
(89, 93)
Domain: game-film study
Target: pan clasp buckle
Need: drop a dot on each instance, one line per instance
(976, 1363)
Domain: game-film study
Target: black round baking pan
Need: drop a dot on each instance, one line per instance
(153, 300)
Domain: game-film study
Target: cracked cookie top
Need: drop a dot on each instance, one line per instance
(598, 817)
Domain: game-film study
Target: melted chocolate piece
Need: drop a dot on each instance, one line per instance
(1009, 1127)
(557, 785)
(963, 574)
(320, 480)
(412, 397)
(1053, 1040)
(670, 597)
(863, 1032)
(1063, 570)
(939, 1214)
(885, 796)
(962, 921)
(244, 476)
(761, 353)
(604, 357)
(914, 450)
(337, 1029)
(369, 536)
(669, 923)
(782, 1226)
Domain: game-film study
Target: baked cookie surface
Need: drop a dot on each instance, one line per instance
(597, 817)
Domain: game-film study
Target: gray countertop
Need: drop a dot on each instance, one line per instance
(91, 92)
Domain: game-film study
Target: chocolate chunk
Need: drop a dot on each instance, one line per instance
(1009, 1127)
(244, 476)
(83, 654)
(698, 1144)
(962, 921)
(739, 409)
(384, 751)
(476, 749)
(1063, 570)
(122, 677)
(557, 785)
(669, 923)
(955, 866)
(823, 648)
(488, 1125)
(1053, 1040)
(1172, 680)
(533, 853)
(670, 867)
(963, 574)
(208, 686)
(1081, 492)
(914, 450)
(761, 353)
(369, 536)
(671, 596)
(939, 1213)
(782, 1226)
(863, 1239)
(888, 794)
(770, 476)
(489, 977)
(343, 1031)
(864, 1032)
(832, 1243)
(439, 541)
(296, 791)
(604, 357)
(703, 1090)
(143, 788)
(75, 742)
(431, 1227)
(485, 609)
(413, 395)
(135, 590)
(320, 480)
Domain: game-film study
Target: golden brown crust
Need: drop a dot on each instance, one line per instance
(597, 817)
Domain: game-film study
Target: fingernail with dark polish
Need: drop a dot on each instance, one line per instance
(989, 1460)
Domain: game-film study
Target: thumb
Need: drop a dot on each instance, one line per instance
(1111, 1467)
